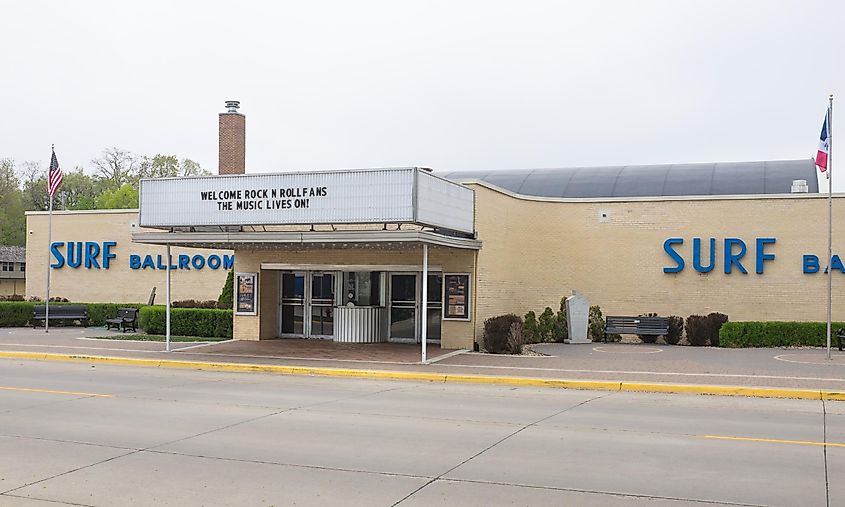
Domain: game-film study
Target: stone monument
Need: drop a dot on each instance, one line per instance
(578, 318)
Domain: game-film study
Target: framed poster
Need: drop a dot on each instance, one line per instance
(456, 304)
(246, 293)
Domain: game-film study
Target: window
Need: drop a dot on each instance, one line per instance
(362, 288)
(23, 267)
(7, 266)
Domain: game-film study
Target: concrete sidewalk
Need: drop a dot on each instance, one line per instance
(806, 369)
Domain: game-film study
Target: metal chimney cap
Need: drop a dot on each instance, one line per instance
(232, 106)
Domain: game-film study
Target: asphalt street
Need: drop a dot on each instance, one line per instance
(82, 434)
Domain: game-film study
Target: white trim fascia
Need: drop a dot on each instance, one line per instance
(84, 211)
(740, 197)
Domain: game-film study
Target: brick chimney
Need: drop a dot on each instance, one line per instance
(232, 153)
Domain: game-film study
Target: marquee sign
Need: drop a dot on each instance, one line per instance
(404, 195)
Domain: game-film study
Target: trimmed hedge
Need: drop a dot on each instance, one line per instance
(15, 313)
(19, 313)
(776, 334)
(187, 321)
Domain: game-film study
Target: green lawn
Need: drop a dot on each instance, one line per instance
(158, 338)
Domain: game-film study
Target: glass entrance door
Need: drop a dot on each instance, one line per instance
(322, 305)
(292, 308)
(403, 307)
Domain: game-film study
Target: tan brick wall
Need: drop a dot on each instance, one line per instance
(535, 252)
(232, 144)
(119, 283)
(455, 334)
(12, 286)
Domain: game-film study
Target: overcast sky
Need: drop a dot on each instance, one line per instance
(450, 85)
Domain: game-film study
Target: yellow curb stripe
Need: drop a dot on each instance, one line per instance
(754, 392)
(603, 385)
(50, 391)
(772, 440)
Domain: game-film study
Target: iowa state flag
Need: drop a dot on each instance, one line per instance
(824, 145)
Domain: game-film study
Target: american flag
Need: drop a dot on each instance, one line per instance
(54, 177)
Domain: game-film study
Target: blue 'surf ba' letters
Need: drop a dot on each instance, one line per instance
(734, 250)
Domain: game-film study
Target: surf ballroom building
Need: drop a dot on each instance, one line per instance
(403, 254)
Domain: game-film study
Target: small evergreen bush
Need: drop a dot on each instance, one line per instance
(546, 325)
(561, 327)
(596, 324)
(224, 301)
(696, 330)
(516, 338)
(676, 330)
(531, 328)
(714, 323)
(497, 331)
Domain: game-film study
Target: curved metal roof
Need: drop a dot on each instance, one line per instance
(728, 178)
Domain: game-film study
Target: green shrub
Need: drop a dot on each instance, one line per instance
(648, 338)
(714, 323)
(193, 303)
(98, 313)
(546, 324)
(531, 328)
(696, 329)
(596, 324)
(225, 299)
(560, 329)
(676, 330)
(18, 314)
(497, 331)
(775, 334)
(15, 313)
(187, 321)
(516, 338)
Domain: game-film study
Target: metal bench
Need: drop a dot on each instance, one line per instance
(655, 326)
(60, 312)
(126, 318)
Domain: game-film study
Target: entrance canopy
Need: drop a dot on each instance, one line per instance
(304, 240)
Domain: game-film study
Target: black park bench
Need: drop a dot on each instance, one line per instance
(60, 312)
(126, 318)
(655, 326)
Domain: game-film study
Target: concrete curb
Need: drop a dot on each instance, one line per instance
(602, 385)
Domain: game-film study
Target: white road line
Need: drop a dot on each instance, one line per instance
(650, 351)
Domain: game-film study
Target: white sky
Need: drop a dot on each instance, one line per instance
(443, 84)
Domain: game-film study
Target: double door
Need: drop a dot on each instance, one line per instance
(307, 303)
(406, 307)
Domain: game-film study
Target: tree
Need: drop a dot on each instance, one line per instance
(125, 197)
(78, 191)
(225, 299)
(34, 186)
(168, 166)
(117, 167)
(12, 220)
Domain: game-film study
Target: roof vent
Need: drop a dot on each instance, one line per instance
(799, 187)
(232, 106)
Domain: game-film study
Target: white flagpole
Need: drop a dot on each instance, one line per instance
(829, 220)
(49, 244)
